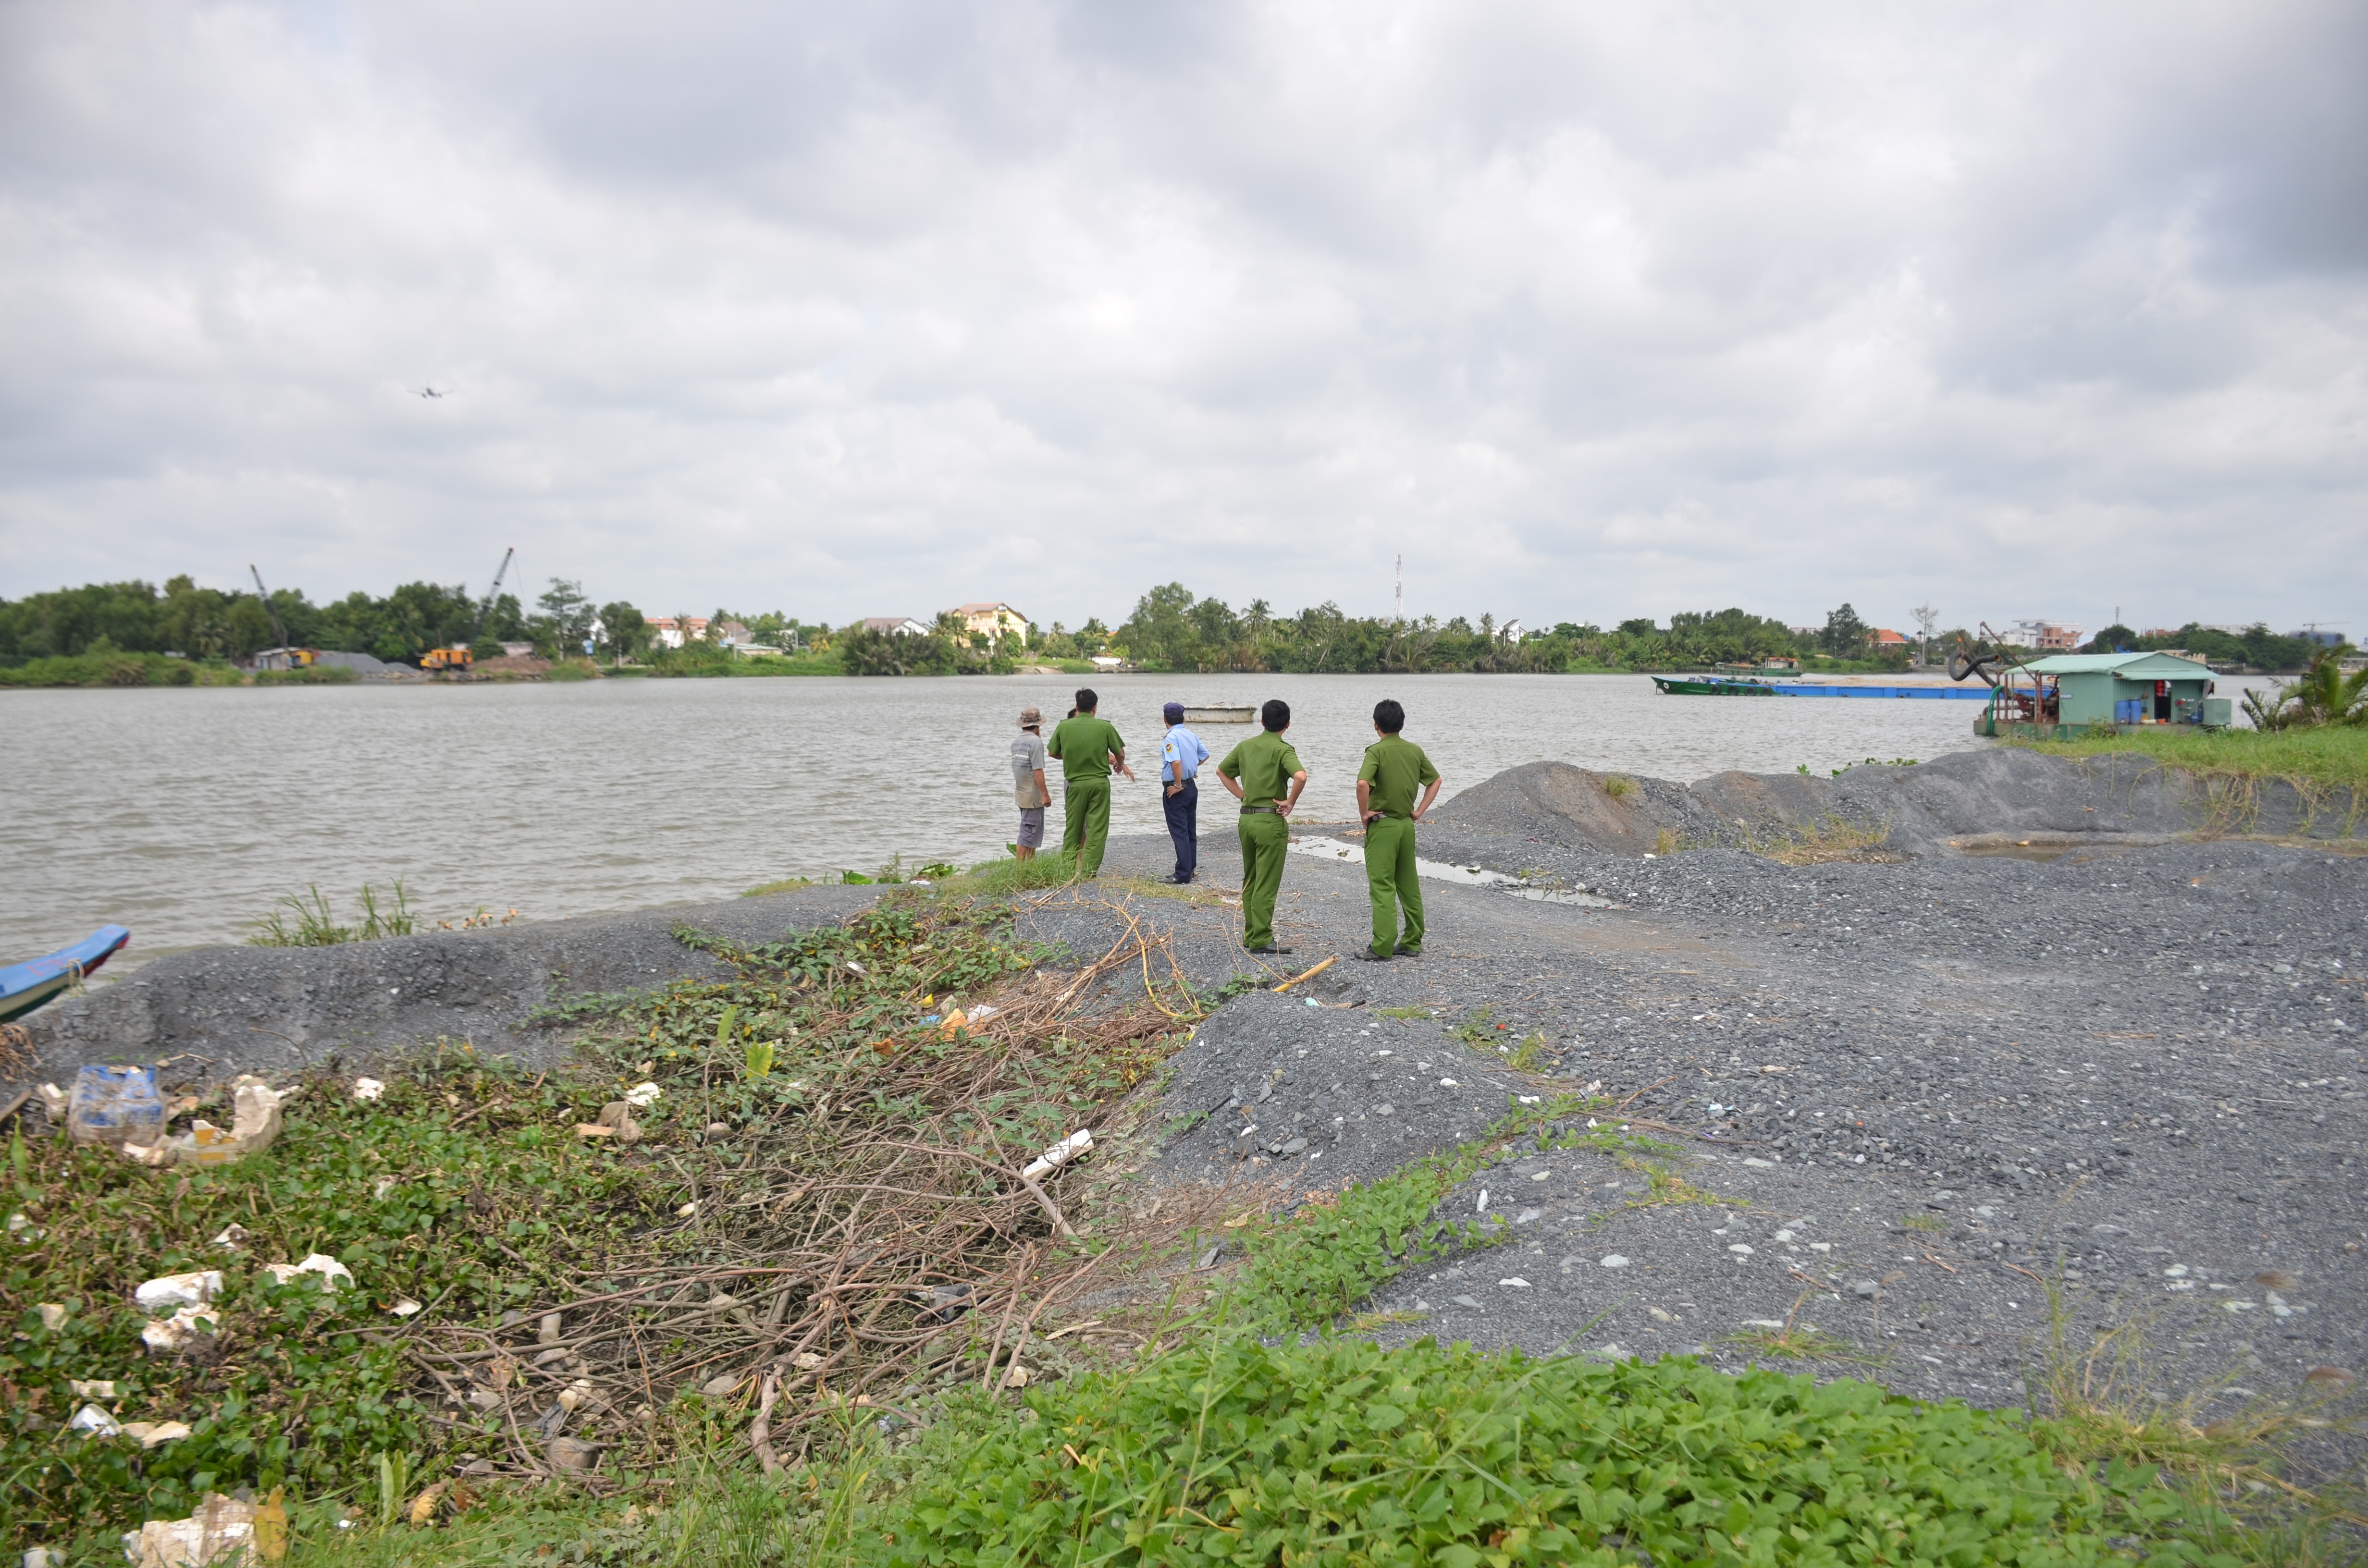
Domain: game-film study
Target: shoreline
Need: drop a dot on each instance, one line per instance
(1912, 1084)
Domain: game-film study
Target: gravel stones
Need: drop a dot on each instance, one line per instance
(280, 1010)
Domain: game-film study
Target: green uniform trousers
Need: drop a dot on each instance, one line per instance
(1266, 839)
(1085, 827)
(1390, 878)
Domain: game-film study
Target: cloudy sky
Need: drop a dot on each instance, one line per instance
(1588, 310)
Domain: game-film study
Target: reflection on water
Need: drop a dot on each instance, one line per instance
(184, 813)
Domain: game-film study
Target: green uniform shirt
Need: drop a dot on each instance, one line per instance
(1398, 770)
(1262, 765)
(1083, 746)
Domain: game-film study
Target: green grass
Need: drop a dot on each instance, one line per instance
(786, 884)
(1342, 1453)
(2330, 756)
(1339, 1454)
(706, 664)
(311, 675)
(120, 669)
(1309, 1268)
(306, 921)
(312, 1387)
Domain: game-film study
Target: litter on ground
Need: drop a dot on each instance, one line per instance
(162, 1294)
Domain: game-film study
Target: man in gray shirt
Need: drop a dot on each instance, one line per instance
(1027, 783)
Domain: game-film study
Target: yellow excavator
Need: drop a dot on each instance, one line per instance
(460, 658)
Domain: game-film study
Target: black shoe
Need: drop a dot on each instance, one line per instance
(1367, 955)
(1405, 952)
(1264, 952)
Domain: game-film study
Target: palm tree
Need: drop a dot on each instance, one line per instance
(2325, 695)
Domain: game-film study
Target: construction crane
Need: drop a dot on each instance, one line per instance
(461, 658)
(297, 657)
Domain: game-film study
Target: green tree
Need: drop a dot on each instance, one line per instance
(865, 651)
(566, 618)
(1161, 632)
(625, 629)
(1845, 634)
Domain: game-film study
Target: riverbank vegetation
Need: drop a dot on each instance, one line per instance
(2327, 756)
(759, 1280)
(105, 664)
(1171, 630)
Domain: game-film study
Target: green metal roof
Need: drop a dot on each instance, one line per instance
(2130, 666)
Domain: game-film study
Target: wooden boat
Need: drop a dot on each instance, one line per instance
(1219, 713)
(26, 986)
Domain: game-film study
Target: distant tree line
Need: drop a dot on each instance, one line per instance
(233, 625)
(2256, 645)
(1172, 629)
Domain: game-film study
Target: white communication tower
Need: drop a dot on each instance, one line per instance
(1398, 614)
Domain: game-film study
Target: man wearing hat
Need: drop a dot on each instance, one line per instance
(1180, 756)
(1027, 784)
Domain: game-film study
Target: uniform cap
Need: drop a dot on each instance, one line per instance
(1173, 712)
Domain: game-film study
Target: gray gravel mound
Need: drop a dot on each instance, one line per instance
(218, 1011)
(1324, 1092)
(1965, 802)
(2127, 1079)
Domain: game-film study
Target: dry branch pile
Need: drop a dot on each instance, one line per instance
(859, 1221)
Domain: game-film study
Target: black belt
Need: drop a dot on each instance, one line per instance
(1259, 810)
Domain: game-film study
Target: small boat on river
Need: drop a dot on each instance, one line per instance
(1219, 713)
(27, 985)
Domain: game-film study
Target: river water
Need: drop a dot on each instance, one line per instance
(184, 815)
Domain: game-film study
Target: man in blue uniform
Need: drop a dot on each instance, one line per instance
(1180, 756)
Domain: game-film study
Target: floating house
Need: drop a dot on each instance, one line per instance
(2072, 693)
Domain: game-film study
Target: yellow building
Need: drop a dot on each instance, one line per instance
(997, 619)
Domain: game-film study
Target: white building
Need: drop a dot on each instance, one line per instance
(672, 631)
(895, 625)
(2052, 636)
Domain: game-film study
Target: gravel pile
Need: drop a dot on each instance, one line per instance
(1972, 799)
(1919, 1094)
(217, 1012)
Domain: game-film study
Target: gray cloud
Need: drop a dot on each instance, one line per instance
(1588, 311)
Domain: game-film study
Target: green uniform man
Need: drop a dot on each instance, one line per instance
(1259, 772)
(1088, 747)
(1395, 769)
